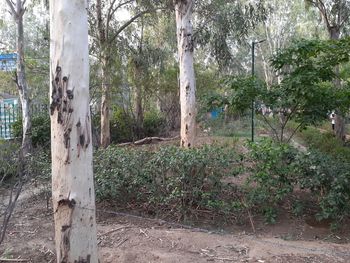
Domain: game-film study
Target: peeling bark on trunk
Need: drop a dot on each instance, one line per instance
(22, 83)
(183, 11)
(71, 148)
(105, 104)
(20, 77)
(105, 138)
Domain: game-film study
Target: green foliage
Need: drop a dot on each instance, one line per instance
(306, 93)
(40, 129)
(121, 126)
(8, 159)
(272, 175)
(326, 143)
(328, 180)
(278, 169)
(153, 123)
(39, 164)
(245, 90)
(171, 179)
(119, 174)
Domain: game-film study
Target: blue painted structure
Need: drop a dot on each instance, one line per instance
(8, 62)
(215, 113)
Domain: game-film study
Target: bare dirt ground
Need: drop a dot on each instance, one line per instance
(132, 239)
(124, 238)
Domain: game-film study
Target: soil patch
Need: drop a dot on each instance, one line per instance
(133, 239)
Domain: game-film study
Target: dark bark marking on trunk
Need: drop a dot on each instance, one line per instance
(67, 202)
(61, 102)
(83, 260)
(65, 209)
(83, 134)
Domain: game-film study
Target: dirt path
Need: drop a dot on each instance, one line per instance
(135, 240)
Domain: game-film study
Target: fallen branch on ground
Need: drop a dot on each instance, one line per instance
(13, 260)
(148, 140)
(114, 230)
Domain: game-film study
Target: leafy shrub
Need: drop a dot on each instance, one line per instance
(40, 129)
(173, 179)
(119, 174)
(39, 164)
(277, 169)
(328, 180)
(326, 143)
(8, 159)
(272, 175)
(153, 123)
(121, 126)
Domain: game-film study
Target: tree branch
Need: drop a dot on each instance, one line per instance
(112, 10)
(130, 21)
(10, 4)
(295, 130)
(272, 128)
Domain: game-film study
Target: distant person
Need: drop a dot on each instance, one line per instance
(332, 117)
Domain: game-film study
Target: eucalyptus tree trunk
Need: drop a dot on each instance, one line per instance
(105, 105)
(18, 11)
(105, 138)
(138, 99)
(183, 11)
(71, 148)
(334, 33)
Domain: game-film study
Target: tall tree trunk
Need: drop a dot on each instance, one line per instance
(18, 11)
(105, 98)
(138, 100)
(334, 33)
(105, 104)
(71, 148)
(22, 83)
(183, 11)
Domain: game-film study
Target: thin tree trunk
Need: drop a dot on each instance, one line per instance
(183, 11)
(138, 101)
(105, 104)
(340, 132)
(71, 148)
(105, 98)
(20, 76)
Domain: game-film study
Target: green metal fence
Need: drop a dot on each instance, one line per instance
(9, 113)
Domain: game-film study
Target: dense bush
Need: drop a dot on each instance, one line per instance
(40, 129)
(277, 170)
(8, 159)
(328, 180)
(170, 179)
(272, 175)
(122, 125)
(39, 164)
(327, 143)
(154, 124)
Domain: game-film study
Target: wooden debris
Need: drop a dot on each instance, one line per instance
(148, 140)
